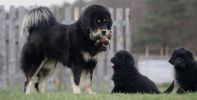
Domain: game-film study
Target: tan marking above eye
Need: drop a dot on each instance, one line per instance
(104, 20)
(98, 21)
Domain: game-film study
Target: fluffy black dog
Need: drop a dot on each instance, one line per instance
(76, 46)
(126, 77)
(185, 70)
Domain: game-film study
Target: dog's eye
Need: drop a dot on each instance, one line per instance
(98, 21)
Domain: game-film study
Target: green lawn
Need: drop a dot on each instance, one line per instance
(7, 95)
(98, 96)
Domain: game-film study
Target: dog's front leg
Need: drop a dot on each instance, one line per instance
(180, 91)
(86, 81)
(75, 80)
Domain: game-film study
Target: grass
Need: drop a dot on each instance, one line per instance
(5, 95)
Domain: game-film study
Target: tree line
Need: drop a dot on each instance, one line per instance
(168, 23)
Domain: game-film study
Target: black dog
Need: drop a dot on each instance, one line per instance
(185, 70)
(76, 46)
(126, 77)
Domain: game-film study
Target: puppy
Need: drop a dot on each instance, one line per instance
(185, 70)
(126, 77)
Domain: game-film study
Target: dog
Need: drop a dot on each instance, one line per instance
(127, 79)
(185, 70)
(77, 46)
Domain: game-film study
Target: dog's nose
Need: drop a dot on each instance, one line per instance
(103, 32)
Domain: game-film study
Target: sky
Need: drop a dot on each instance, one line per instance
(26, 3)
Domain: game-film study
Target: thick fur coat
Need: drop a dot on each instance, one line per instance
(76, 46)
(185, 70)
(126, 77)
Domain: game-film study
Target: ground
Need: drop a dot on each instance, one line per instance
(7, 95)
(106, 96)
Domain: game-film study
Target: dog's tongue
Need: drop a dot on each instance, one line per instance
(104, 40)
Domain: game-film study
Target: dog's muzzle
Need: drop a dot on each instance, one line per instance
(101, 37)
(179, 63)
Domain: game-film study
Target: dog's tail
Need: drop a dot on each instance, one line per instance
(37, 20)
(170, 88)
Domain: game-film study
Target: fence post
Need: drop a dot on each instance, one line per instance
(128, 33)
(76, 13)
(110, 54)
(147, 52)
(21, 14)
(11, 44)
(120, 34)
(68, 15)
(2, 50)
(20, 40)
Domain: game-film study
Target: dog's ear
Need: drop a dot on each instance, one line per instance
(110, 22)
(129, 60)
(85, 20)
(190, 58)
(172, 59)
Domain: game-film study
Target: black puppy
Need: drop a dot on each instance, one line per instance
(126, 77)
(185, 70)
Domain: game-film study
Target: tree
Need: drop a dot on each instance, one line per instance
(167, 23)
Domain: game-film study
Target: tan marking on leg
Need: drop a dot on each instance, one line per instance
(88, 89)
(49, 65)
(29, 88)
(76, 89)
(86, 82)
(41, 86)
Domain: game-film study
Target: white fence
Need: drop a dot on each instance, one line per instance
(11, 76)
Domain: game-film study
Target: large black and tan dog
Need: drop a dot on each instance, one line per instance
(76, 46)
(185, 70)
(126, 77)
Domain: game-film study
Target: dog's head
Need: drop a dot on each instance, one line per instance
(96, 23)
(182, 58)
(122, 59)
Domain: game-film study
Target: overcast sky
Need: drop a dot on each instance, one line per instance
(27, 3)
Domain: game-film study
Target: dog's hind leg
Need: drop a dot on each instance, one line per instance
(31, 78)
(44, 74)
(31, 58)
(41, 86)
(28, 88)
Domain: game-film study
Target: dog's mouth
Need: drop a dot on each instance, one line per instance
(179, 63)
(101, 38)
(114, 66)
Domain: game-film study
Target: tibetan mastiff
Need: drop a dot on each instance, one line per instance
(126, 77)
(185, 70)
(77, 46)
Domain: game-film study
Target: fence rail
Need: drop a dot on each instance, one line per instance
(11, 43)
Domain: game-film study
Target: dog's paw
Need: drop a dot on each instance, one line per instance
(76, 90)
